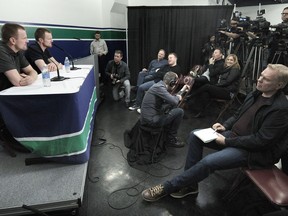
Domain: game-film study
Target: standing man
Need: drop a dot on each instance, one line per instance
(152, 113)
(253, 137)
(119, 74)
(15, 70)
(38, 54)
(150, 80)
(99, 47)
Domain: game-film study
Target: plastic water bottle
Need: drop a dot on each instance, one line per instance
(67, 65)
(46, 76)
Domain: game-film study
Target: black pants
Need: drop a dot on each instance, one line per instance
(207, 92)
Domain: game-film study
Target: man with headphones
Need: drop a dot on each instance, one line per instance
(155, 111)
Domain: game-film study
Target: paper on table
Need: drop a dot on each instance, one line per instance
(206, 135)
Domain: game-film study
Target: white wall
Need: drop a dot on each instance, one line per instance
(102, 13)
(272, 15)
(67, 12)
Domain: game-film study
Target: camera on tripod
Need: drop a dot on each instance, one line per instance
(280, 35)
(260, 24)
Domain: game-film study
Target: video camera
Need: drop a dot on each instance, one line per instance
(260, 24)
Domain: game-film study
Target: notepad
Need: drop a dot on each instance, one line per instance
(206, 135)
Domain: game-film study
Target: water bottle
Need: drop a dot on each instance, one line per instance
(46, 76)
(67, 65)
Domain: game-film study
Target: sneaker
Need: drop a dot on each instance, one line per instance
(185, 192)
(154, 193)
(139, 110)
(134, 107)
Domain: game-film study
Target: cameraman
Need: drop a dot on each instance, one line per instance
(233, 35)
(279, 42)
(119, 74)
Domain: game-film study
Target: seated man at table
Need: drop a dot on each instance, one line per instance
(38, 54)
(15, 70)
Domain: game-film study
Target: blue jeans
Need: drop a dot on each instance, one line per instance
(197, 168)
(141, 76)
(115, 91)
(141, 91)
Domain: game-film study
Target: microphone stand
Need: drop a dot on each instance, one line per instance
(58, 77)
(71, 58)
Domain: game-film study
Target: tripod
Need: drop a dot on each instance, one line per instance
(277, 55)
(241, 50)
(255, 64)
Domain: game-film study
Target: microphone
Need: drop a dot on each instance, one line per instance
(71, 58)
(58, 78)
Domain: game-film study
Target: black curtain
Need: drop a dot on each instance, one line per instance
(179, 29)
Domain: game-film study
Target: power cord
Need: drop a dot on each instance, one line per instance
(132, 191)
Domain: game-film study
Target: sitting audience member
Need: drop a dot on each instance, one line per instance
(215, 66)
(226, 87)
(208, 49)
(37, 53)
(154, 101)
(154, 65)
(252, 137)
(156, 77)
(15, 70)
(119, 74)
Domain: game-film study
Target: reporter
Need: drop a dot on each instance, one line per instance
(253, 137)
(225, 88)
(156, 98)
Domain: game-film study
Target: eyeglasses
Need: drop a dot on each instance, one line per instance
(284, 14)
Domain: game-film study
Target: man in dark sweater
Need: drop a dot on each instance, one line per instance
(153, 112)
(253, 137)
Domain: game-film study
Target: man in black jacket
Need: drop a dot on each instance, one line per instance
(119, 73)
(252, 137)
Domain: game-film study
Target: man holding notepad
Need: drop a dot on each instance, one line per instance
(253, 137)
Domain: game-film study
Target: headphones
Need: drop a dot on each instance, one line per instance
(173, 82)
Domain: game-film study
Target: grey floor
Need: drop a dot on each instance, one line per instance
(114, 188)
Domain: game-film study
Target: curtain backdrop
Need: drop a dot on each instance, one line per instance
(179, 29)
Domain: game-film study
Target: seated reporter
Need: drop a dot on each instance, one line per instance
(38, 54)
(252, 137)
(226, 87)
(153, 111)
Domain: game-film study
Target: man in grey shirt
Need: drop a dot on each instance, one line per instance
(153, 112)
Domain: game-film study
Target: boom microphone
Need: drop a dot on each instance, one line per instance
(70, 57)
